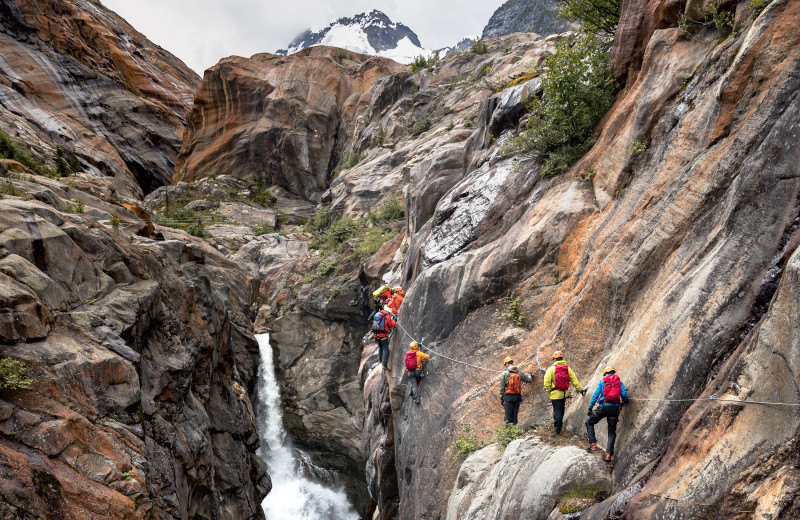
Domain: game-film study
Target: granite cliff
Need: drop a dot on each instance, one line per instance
(667, 259)
(669, 250)
(76, 76)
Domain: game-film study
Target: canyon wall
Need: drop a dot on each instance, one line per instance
(141, 356)
(76, 76)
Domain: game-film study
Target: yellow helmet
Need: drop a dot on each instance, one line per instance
(413, 345)
(609, 368)
(558, 354)
(508, 360)
(399, 290)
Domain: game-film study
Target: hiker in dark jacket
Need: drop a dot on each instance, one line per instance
(556, 382)
(610, 395)
(382, 322)
(511, 389)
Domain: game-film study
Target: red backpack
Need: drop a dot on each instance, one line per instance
(612, 389)
(514, 383)
(411, 360)
(561, 377)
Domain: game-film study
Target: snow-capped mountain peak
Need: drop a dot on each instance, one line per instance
(370, 33)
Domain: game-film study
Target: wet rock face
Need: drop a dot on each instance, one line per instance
(77, 76)
(141, 357)
(664, 265)
(285, 118)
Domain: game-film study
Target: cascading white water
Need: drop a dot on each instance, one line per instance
(294, 496)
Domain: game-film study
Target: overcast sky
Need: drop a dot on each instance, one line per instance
(201, 32)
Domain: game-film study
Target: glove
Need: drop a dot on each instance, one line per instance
(502, 401)
(583, 392)
(589, 413)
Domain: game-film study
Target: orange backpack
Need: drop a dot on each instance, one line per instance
(514, 383)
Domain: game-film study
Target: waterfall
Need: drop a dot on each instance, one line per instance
(294, 495)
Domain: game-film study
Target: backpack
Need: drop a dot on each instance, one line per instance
(411, 360)
(561, 377)
(379, 322)
(514, 383)
(612, 389)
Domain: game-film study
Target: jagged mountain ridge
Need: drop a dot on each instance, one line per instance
(538, 16)
(370, 33)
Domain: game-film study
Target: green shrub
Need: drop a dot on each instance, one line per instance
(722, 19)
(577, 92)
(513, 310)
(466, 444)
(468, 122)
(320, 220)
(7, 188)
(76, 208)
(263, 228)
(198, 229)
(349, 160)
(450, 126)
(479, 47)
(423, 125)
(507, 433)
(419, 63)
(12, 375)
(330, 266)
(372, 240)
(62, 168)
(342, 54)
(638, 147)
(756, 7)
(392, 209)
(595, 16)
(262, 197)
(114, 221)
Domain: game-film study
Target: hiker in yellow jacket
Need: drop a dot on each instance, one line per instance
(556, 381)
(414, 360)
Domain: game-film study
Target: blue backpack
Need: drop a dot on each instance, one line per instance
(379, 322)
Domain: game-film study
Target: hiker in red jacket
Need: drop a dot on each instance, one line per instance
(610, 394)
(511, 389)
(382, 323)
(414, 360)
(556, 382)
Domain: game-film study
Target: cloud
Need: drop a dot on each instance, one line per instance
(201, 32)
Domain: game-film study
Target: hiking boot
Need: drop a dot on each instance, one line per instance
(416, 400)
(554, 434)
(592, 446)
(609, 457)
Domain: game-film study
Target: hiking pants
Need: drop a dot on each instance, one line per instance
(511, 404)
(383, 350)
(611, 413)
(558, 413)
(414, 381)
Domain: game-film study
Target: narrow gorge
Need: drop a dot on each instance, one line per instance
(187, 267)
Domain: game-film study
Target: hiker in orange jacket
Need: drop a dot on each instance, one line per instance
(396, 300)
(511, 389)
(556, 381)
(414, 360)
